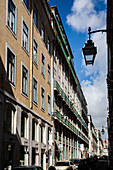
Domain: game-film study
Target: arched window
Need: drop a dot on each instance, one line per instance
(24, 125)
(43, 135)
(34, 129)
(10, 119)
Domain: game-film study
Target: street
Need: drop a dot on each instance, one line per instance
(96, 165)
(101, 165)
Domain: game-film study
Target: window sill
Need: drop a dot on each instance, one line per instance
(13, 85)
(43, 110)
(37, 29)
(49, 83)
(14, 34)
(36, 104)
(25, 95)
(26, 8)
(25, 51)
(43, 75)
(35, 64)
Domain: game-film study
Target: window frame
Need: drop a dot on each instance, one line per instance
(48, 45)
(48, 104)
(12, 118)
(35, 131)
(35, 10)
(43, 32)
(14, 32)
(35, 102)
(14, 71)
(42, 102)
(27, 7)
(27, 88)
(23, 33)
(34, 47)
(25, 125)
(43, 66)
(48, 74)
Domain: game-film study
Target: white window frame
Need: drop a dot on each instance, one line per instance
(26, 125)
(27, 91)
(12, 117)
(48, 105)
(48, 73)
(35, 11)
(35, 129)
(42, 65)
(27, 8)
(35, 48)
(43, 32)
(14, 31)
(24, 36)
(48, 45)
(14, 71)
(36, 97)
(42, 100)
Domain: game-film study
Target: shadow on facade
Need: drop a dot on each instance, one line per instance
(10, 141)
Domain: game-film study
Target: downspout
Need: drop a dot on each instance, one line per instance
(31, 55)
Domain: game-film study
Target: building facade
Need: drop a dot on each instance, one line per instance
(69, 105)
(26, 127)
(43, 111)
(92, 137)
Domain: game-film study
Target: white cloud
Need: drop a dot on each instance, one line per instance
(84, 15)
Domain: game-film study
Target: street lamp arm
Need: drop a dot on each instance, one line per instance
(89, 50)
(91, 32)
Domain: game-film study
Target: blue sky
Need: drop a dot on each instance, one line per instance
(77, 16)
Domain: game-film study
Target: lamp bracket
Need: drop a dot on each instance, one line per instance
(91, 32)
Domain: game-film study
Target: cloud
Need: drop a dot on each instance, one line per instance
(83, 15)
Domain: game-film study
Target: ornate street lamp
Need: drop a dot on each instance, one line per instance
(89, 50)
(103, 131)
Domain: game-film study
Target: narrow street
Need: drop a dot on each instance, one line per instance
(101, 165)
(95, 165)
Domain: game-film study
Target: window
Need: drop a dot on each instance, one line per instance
(49, 74)
(54, 74)
(10, 119)
(24, 80)
(43, 65)
(49, 136)
(43, 134)
(59, 79)
(11, 18)
(63, 85)
(49, 105)
(35, 91)
(65, 89)
(26, 2)
(35, 17)
(48, 45)
(24, 125)
(43, 32)
(34, 130)
(25, 37)
(35, 52)
(11, 66)
(42, 99)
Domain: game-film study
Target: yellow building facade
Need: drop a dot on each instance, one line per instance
(25, 85)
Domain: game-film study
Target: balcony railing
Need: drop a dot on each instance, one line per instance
(57, 86)
(72, 127)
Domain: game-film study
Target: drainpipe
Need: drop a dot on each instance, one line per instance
(31, 54)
